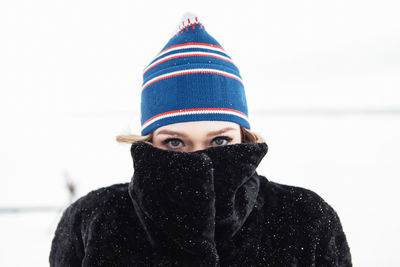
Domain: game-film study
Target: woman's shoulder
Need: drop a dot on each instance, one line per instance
(94, 219)
(294, 201)
(302, 218)
(103, 199)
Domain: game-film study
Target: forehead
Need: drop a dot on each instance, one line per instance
(199, 127)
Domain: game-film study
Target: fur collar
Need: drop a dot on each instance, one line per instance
(192, 201)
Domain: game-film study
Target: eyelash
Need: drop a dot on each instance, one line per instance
(227, 138)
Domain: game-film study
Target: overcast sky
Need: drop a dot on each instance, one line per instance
(73, 56)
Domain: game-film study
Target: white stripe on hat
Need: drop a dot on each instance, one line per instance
(194, 112)
(187, 54)
(192, 45)
(190, 71)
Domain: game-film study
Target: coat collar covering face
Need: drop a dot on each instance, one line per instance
(206, 208)
(194, 201)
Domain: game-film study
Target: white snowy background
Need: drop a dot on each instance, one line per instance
(322, 82)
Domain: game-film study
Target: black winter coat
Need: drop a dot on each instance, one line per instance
(202, 208)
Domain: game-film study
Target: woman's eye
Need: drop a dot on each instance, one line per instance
(173, 142)
(221, 140)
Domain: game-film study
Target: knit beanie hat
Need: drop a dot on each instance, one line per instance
(192, 79)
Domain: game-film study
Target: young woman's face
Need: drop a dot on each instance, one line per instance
(196, 135)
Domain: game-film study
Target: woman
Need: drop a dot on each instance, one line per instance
(195, 198)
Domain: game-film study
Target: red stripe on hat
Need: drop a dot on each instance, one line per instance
(186, 44)
(193, 109)
(190, 55)
(190, 72)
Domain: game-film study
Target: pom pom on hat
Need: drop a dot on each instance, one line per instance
(188, 20)
(192, 79)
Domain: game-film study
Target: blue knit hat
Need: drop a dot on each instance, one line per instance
(192, 79)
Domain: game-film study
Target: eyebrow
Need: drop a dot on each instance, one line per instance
(220, 131)
(184, 135)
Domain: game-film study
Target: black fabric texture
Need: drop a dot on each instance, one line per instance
(203, 208)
